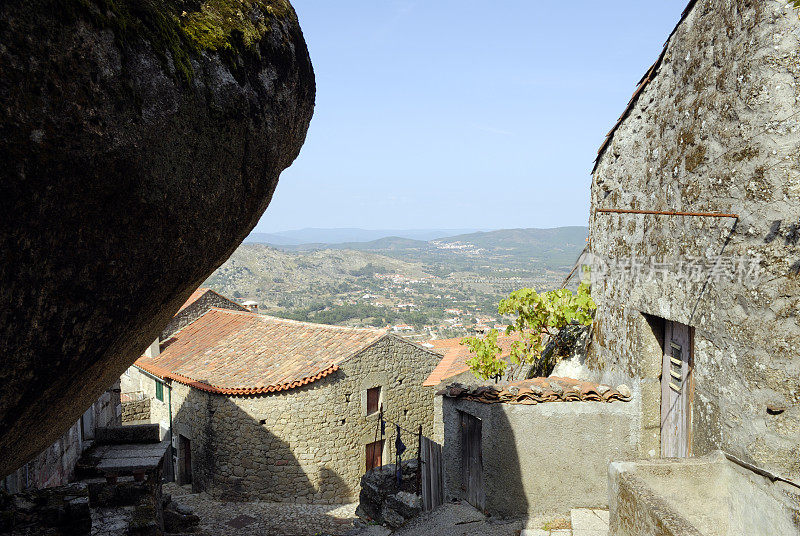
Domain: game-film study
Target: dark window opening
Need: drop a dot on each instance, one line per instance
(373, 400)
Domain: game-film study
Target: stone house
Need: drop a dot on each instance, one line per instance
(695, 239)
(279, 410)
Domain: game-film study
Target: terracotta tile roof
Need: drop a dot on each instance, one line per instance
(646, 79)
(242, 353)
(539, 390)
(199, 293)
(455, 358)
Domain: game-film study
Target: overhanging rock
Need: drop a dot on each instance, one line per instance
(140, 142)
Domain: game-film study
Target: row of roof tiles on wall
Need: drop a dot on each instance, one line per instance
(538, 391)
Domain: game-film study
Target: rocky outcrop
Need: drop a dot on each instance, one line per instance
(565, 354)
(383, 501)
(62, 510)
(140, 141)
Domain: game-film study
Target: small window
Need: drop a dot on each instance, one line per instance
(159, 390)
(373, 400)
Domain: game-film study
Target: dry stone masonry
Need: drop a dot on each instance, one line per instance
(304, 445)
(136, 411)
(714, 128)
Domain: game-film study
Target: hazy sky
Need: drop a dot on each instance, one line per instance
(456, 114)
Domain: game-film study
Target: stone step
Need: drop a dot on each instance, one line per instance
(589, 522)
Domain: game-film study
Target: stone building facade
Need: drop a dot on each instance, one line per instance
(714, 127)
(306, 437)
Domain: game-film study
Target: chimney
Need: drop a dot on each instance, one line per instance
(251, 306)
(154, 350)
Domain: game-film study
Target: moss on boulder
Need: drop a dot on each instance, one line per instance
(141, 140)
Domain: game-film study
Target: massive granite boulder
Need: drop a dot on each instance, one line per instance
(140, 141)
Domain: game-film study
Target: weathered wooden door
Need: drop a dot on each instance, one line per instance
(472, 461)
(432, 481)
(374, 454)
(676, 391)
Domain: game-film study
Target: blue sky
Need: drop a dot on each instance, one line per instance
(462, 114)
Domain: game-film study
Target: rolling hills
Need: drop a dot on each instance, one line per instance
(400, 280)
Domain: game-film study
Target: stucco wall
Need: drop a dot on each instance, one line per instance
(542, 458)
(306, 444)
(717, 130)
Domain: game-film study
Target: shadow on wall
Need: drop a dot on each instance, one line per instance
(233, 456)
(487, 474)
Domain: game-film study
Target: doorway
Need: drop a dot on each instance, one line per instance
(472, 461)
(374, 454)
(677, 390)
(185, 460)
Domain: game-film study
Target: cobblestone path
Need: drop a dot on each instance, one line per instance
(220, 518)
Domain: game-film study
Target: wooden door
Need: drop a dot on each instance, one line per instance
(432, 478)
(374, 452)
(676, 391)
(472, 461)
(185, 453)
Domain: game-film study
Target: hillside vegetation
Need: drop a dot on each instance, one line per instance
(392, 280)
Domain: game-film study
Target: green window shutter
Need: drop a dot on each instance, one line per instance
(159, 390)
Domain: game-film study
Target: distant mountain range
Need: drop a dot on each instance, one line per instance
(343, 235)
(364, 282)
(512, 248)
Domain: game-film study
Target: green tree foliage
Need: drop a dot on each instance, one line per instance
(325, 313)
(368, 270)
(537, 317)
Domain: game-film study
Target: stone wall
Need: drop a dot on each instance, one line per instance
(305, 444)
(135, 380)
(136, 410)
(544, 458)
(712, 494)
(61, 511)
(716, 130)
(55, 466)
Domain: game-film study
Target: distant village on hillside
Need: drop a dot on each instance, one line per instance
(440, 289)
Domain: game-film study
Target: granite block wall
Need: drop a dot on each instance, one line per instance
(305, 445)
(716, 130)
